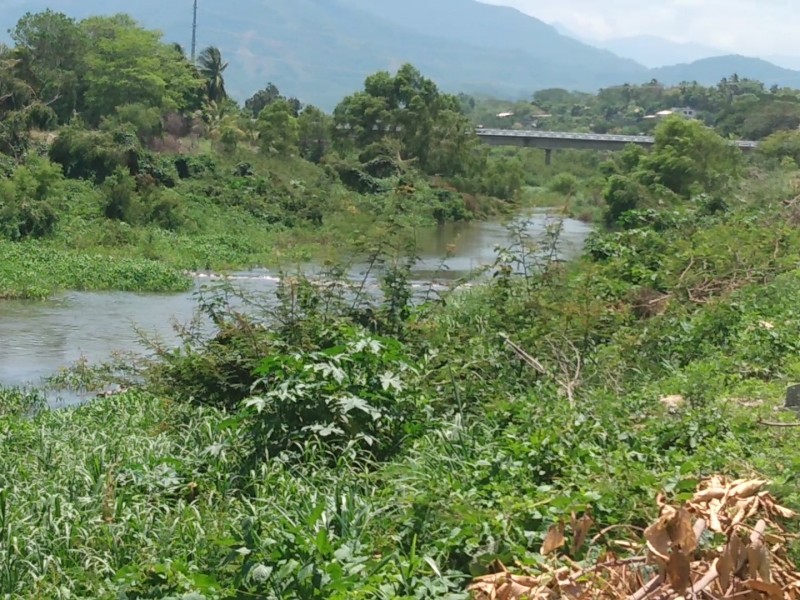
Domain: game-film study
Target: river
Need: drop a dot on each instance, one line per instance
(39, 338)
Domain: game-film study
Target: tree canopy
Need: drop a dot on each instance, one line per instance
(409, 108)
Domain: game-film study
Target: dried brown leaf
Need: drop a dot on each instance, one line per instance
(554, 539)
(758, 561)
(679, 571)
(783, 512)
(568, 586)
(773, 590)
(714, 508)
(729, 560)
(658, 538)
(708, 494)
(681, 532)
(580, 529)
(744, 509)
(746, 489)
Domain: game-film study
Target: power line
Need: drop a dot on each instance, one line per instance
(194, 31)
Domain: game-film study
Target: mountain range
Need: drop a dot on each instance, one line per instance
(321, 50)
(655, 52)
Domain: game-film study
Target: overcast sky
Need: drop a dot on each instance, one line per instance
(753, 27)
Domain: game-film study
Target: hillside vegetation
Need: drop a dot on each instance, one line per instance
(129, 164)
(319, 51)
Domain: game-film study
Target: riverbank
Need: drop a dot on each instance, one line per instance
(87, 251)
(418, 445)
(44, 337)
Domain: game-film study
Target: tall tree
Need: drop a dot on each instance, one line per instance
(314, 128)
(279, 128)
(212, 68)
(411, 109)
(15, 92)
(51, 48)
(262, 98)
(127, 64)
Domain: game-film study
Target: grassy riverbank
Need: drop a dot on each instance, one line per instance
(33, 270)
(414, 446)
(219, 224)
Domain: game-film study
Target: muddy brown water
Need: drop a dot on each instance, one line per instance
(39, 338)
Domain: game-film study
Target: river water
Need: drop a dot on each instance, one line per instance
(39, 338)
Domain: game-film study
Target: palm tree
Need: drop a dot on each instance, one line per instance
(211, 67)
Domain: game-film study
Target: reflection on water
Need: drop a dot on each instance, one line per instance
(39, 338)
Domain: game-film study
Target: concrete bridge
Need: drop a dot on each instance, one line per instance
(556, 140)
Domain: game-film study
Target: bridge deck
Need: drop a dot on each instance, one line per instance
(553, 140)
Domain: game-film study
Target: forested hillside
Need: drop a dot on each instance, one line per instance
(114, 145)
(735, 107)
(321, 50)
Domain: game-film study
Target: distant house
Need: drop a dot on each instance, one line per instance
(686, 113)
(504, 115)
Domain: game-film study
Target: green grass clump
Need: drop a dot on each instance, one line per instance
(36, 270)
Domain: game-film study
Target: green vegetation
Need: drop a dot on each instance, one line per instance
(336, 444)
(736, 107)
(33, 270)
(331, 441)
(464, 45)
(115, 150)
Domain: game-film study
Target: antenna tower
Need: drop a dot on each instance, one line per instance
(194, 31)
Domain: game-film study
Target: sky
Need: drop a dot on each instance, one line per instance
(750, 27)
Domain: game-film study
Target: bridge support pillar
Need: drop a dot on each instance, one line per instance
(548, 157)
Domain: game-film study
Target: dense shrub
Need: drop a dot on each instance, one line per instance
(93, 155)
(121, 199)
(29, 201)
(360, 393)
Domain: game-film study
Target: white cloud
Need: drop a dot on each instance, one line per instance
(751, 27)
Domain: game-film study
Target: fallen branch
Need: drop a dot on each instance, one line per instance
(773, 424)
(531, 361)
(618, 562)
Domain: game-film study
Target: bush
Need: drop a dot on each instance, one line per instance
(360, 393)
(565, 184)
(784, 144)
(622, 194)
(92, 154)
(165, 209)
(121, 200)
(154, 169)
(144, 120)
(28, 201)
(42, 117)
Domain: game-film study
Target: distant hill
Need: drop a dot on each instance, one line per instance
(707, 71)
(656, 52)
(787, 62)
(653, 51)
(321, 50)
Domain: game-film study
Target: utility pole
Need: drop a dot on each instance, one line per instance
(194, 31)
